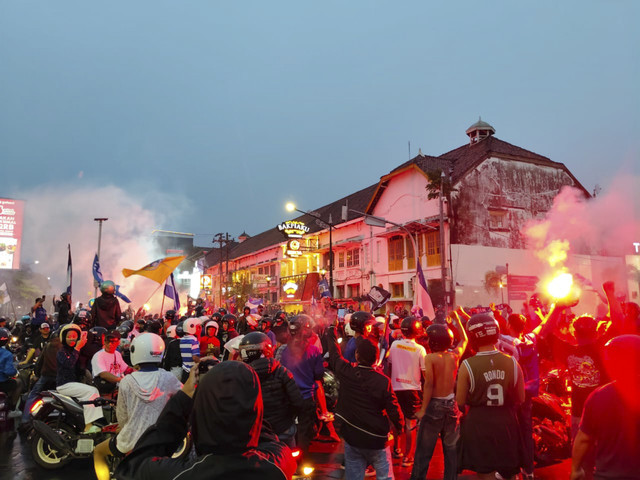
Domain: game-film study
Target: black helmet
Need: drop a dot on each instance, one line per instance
(301, 324)
(483, 330)
(154, 326)
(123, 330)
(411, 327)
(280, 317)
(5, 335)
(585, 328)
(222, 311)
(440, 337)
(265, 321)
(217, 317)
(255, 345)
(128, 324)
(230, 318)
(360, 320)
(170, 314)
(180, 329)
(96, 333)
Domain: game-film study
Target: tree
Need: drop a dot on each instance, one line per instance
(434, 183)
(492, 281)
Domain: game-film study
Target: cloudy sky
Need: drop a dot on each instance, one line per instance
(211, 115)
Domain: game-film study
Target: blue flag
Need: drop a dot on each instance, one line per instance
(97, 274)
(323, 288)
(171, 291)
(121, 295)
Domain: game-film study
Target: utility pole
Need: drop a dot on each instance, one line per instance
(99, 220)
(443, 253)
(221, 240)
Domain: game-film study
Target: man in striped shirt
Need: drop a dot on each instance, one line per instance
(190, 346)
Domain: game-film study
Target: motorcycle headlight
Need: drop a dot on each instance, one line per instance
(307, 471)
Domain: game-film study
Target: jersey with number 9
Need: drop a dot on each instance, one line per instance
(493, 377)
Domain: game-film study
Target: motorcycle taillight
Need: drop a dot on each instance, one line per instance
(35, 408)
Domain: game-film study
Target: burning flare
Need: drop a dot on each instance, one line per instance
(560, 285)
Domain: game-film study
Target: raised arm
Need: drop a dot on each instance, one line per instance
(462, 334)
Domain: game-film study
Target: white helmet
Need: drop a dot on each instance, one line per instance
(210, 324)
(147, 348)
(191, 325)
(348, 330)
(204, 319)
(171, 331)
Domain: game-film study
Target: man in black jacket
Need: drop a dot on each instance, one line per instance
(280, 394)
(366, 403)
(106, 308)
(228, 434)
(64, 309)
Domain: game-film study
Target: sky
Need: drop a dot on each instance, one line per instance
(210, 116)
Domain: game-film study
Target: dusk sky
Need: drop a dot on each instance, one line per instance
(226, 110)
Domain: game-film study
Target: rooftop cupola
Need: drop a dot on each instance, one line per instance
(479, 131)
(243, 236)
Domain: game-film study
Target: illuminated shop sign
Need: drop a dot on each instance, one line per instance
(636, 246)
(294, 248)
(290, 289)
(10, 232)
(293, 229)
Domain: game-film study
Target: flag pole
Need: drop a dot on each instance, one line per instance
(15, 317)
(163, 295)
(154, 292)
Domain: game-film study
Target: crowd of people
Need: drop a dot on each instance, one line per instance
(249, 388)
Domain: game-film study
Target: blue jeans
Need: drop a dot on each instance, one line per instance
(441, 420)
(42, 384)
(357, 459)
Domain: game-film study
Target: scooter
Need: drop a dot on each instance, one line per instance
(58, 429)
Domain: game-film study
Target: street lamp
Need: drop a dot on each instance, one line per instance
(290, 206)
(100, 221)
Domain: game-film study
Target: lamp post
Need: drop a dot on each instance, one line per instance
(99, 220)
(291, 207)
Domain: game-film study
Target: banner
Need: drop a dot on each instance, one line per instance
(97, 274)
(157, 271)
(253, 303)
(323, 288)
(4, 294)
(171, 291)
(11, 212)
(378, 297)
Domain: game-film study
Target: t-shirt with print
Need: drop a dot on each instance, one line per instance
(407, 364)
(108, 362)
(189, 346)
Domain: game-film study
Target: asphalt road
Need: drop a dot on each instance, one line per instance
(16, 464)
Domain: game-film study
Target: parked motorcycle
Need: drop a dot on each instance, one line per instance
(551, 420)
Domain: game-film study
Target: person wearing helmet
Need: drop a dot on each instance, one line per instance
(367, 405)
(107, 366)
(227, 430)
(304, 360)
(154, 326)
(45, 372)
(491, 384)
(106, 308)
(172, 361)
(227, 329)
(264, 325)
(439, 412)
(141, 397)
(190, 346)
(610, 424)
(209, 343)
(361, 324)
(170, 318)
(280, 328)
(8, 384)
(406, 367)
(280, 394)
(69, 375)
(82, 318)
(245, 320)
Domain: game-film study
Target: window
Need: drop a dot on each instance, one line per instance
(433, 248)
(272, 271)
(396, 252)
(353, 290)
(411, 258)
(341, 259)
(353, 257)
(340, 291)
(497, 220)
(397, 290)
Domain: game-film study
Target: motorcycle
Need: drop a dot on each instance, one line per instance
(551, 420)
(58, 429)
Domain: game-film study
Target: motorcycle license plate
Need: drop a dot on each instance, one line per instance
(84, 445)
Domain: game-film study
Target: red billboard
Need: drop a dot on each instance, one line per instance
(11, 214)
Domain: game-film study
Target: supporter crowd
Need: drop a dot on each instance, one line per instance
(253, 388)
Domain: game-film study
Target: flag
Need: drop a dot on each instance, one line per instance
(422, 297)
(378, 297)
(323, 288)
(97, 274)
(253, 303)
(157, 271)
(69, 274)
(171, 291)
(121, 295)
(4, 294)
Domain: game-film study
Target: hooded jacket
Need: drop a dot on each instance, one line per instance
(227, 433)
(141, 398)
(280, 395)
(106, 311)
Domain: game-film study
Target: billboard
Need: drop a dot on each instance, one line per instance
(11, 214)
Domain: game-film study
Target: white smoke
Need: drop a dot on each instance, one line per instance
(57, 216)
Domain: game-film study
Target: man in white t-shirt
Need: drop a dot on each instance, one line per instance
(107, 365)
(407, 363)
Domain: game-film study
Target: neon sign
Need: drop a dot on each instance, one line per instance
(292, 229)
(290, 288)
